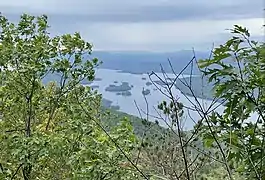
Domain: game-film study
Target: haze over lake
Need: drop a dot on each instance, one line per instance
(122, 78)
(136, 82)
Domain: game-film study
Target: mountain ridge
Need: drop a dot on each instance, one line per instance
(144, 62)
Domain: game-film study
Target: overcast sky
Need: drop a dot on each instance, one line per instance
(145, 25)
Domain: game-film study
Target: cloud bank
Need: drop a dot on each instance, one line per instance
(146, 25)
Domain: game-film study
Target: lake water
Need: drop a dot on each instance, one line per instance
(138, 81)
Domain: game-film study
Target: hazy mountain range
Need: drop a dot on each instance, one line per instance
(144, 62)
(122, 80)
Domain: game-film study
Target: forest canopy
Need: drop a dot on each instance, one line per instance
(59, 130)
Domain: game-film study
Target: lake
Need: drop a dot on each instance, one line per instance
(136, 83)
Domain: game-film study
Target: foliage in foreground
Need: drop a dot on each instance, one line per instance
(237, 70)
(52, 131)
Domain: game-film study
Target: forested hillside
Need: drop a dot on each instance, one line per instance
(58, 129)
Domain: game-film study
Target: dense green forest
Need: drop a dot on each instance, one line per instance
(60, 130)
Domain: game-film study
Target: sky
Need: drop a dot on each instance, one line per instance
(145, 25)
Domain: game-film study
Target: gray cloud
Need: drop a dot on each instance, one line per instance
(138, 11)
(159, 25)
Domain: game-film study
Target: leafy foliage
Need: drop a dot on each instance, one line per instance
(59, 131)
(237, 70)
(52, 131)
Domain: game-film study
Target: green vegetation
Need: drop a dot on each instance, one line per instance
(113, 117)
(58, 129)
(51, 131)
(237, 72)
(119, 88)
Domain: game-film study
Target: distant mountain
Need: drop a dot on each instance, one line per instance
(145, 62)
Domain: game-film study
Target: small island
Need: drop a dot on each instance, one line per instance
(119, 88)
(124, 93)
(148, 83)
(146, 92)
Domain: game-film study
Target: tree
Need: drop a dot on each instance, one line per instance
(237, 69)
(52, 131)
(234, 139)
